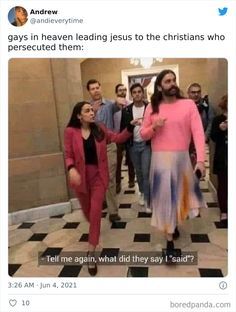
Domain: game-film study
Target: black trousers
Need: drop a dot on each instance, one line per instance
(222, 191)
(120, 149)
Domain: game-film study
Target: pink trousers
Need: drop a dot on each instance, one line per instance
(92, 202)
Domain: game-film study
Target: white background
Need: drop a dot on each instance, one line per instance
(195, 17)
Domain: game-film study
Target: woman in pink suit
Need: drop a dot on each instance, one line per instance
(86, 162)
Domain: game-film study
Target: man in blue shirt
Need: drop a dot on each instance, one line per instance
(104, 111)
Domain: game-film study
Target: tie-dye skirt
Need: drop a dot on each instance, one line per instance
(174, 188)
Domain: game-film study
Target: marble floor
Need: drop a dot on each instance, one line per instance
(68, 233)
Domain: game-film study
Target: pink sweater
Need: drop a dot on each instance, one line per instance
(182, 121)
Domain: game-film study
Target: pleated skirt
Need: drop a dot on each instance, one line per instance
(174, 190)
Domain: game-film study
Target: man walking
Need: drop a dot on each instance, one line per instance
(204, 107)
(140, 150)
(121, 91)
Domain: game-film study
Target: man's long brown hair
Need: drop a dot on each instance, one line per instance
(157, 97)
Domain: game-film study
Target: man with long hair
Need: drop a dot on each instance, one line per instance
(170, 121)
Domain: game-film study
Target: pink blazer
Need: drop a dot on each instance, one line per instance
(74, 153)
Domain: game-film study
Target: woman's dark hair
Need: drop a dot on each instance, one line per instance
(157, 97)
(74, 122)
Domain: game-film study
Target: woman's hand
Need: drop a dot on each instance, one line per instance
(74, 177)
(200, 166)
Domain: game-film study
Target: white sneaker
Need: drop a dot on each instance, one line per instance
(147, 208)
(141, 199)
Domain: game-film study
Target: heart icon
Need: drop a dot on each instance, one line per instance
(12, 302)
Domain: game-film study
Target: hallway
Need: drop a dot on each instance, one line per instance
(68, 233)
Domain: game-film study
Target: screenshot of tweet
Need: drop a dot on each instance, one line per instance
(117, 156)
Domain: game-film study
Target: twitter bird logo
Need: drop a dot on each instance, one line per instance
(222, 11)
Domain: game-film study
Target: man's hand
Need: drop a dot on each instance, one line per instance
(96, 106)
(201, 166)
(121, 102)
(158, 123)
(136, 122)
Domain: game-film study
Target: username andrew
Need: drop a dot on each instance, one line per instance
(43, 11)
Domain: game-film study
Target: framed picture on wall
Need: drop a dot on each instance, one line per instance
(146, 77)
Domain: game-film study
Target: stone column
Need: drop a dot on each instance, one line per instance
(42, 93)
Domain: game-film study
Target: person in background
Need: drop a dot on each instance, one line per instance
(104, 111)
(86, 161)
(219, 135)
(121, 91)
(169, 122)
(206, 112)
(205, 109)
(139, 149)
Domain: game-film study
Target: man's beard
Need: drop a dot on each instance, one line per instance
(173, 91)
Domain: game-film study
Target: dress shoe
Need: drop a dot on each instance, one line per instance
(104, 205)
(93, 270)
(170, 254)
(224, 223)
(131, 184)
(114, 218)
(170, 245)
(176, 233)
(92, 265)
(170, 250)
(118, 188)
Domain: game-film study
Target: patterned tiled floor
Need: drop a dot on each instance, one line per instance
(69, 233)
